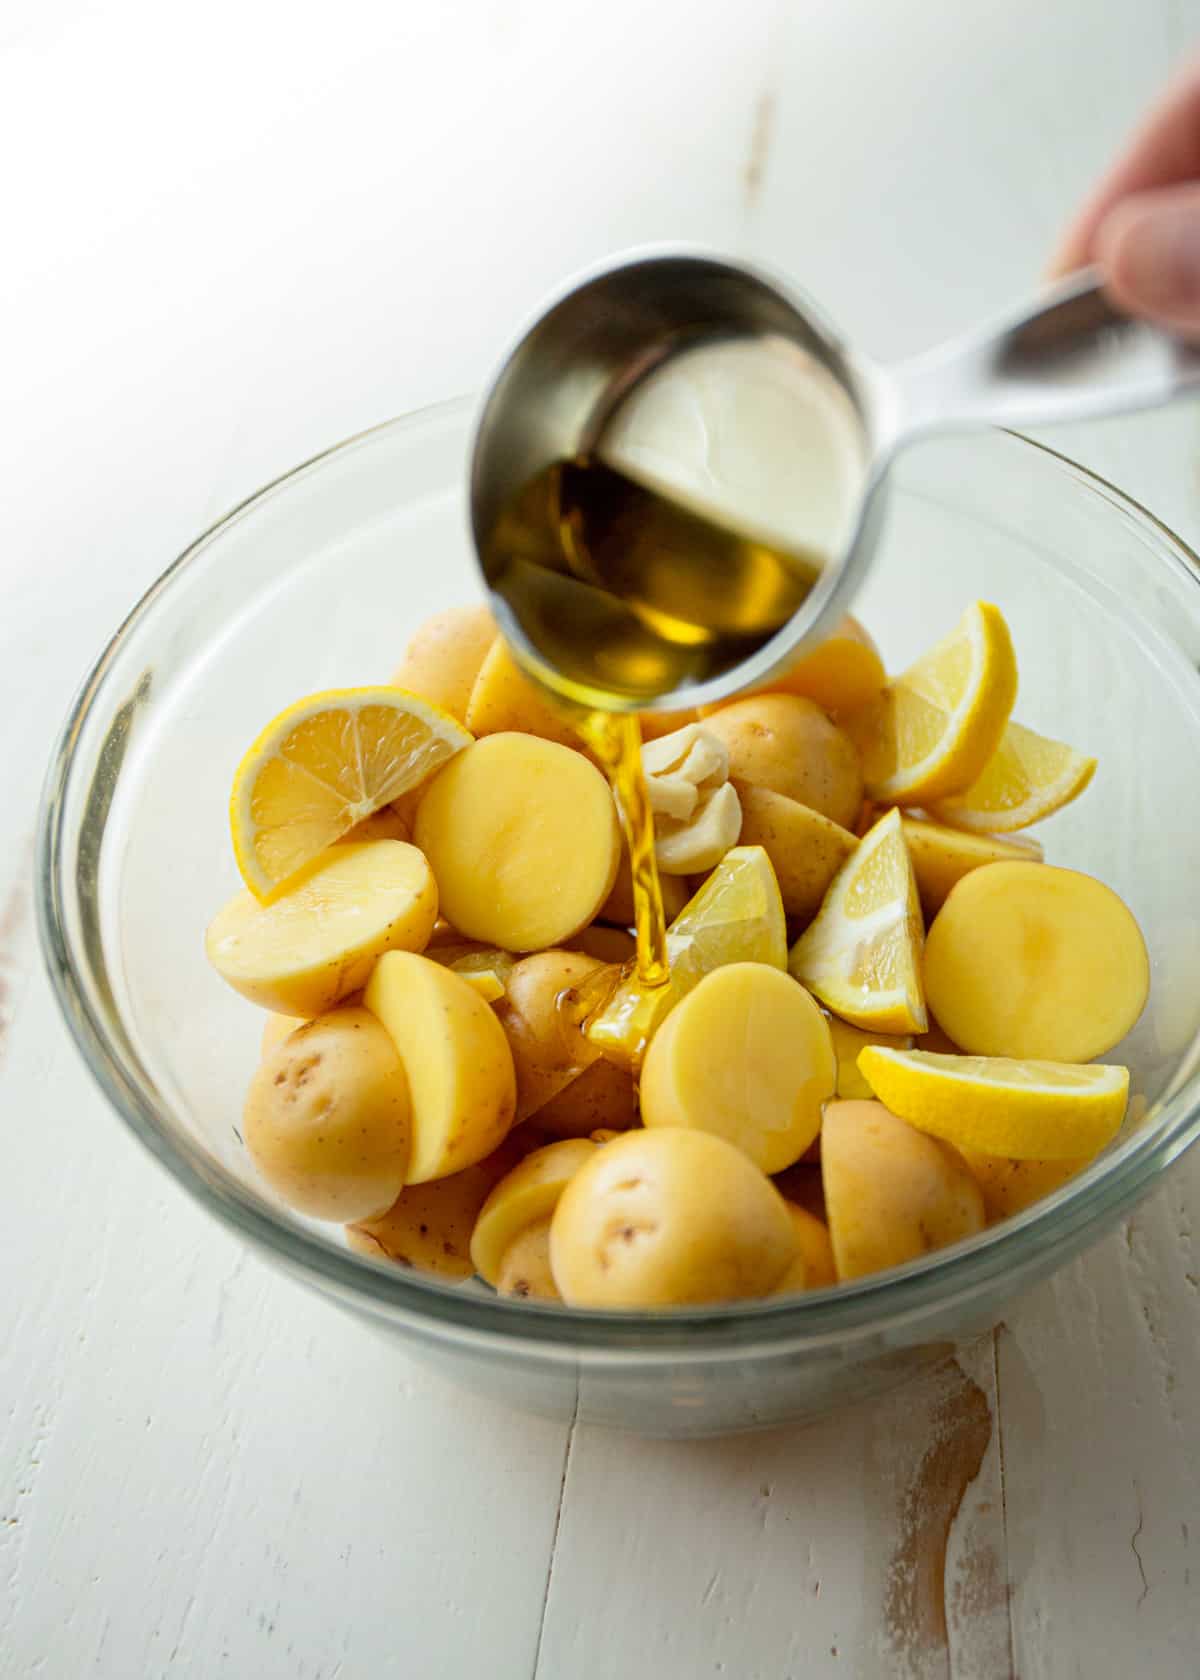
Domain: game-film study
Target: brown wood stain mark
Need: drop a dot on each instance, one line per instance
(915, 1597)
(760, 147)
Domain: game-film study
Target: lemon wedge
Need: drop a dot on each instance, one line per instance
(862, 954)
(933, 730)
(737, 916)
(322, 766)
(990, 1105)
(1028, 777)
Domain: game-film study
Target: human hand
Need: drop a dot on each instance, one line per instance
(1141, 224)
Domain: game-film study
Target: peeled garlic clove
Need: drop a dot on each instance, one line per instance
(707, 760)
(701, 843)
(672, 795)
(669, 751)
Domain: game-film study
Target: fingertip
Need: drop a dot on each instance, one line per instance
(1148, 247)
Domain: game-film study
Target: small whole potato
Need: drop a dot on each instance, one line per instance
(327, 1117)
(787, 744)
(442, 660)
(543, 1026)
(525, 1270)
(428, 1226)
(892, 1193)
(667, 1218)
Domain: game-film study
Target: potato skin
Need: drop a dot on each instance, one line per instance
(525, 1270)
(503, 699)
(548, 1047)
(443, 656)
(603, 1098)
(428, 1226)
(806, 849)
(787, 744)
(327, 1119)
(639, 1225)
(889, 1195)
(813, 1267)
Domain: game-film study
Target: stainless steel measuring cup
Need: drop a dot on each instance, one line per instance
(1064, 355)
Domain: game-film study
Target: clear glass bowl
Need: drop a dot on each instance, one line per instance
(316, 582)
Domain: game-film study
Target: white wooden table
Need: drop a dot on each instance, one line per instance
(233, 235)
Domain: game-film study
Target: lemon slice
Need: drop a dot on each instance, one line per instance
(323, 765)
(1036, 1111)
(932, 731)
(737, 916)
(1028, 777)
(862, 954)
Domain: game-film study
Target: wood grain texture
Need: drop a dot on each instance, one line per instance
(226, 260)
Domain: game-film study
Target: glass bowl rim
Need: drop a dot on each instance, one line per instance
(1068, 1218)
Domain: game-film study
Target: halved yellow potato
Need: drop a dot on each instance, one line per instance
(787, 744)
(602, 1098)
(639, 1224)
(892, 1193)
(442, 659)
(428, 1226)
(327, 1117)
(503, 699)
(746, 1056)
(841, 673)
(848, 1043)
(460, 1070)
(525, 1269)
(319, 941)
(1011, 1186)
(806, 849)
(1033, 962)
(813, 1267)
(528, 1193)
(522, 837)
(278, 1028)
(941, 856)
(543, 1027)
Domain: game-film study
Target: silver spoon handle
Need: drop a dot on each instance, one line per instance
(1068, 355)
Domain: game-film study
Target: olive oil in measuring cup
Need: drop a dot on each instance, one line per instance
(672, 552)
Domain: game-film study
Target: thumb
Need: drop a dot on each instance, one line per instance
(1148, 247)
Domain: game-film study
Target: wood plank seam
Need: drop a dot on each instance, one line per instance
(1008, 1592)
(562, 1494)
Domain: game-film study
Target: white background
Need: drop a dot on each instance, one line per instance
(229, 235)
